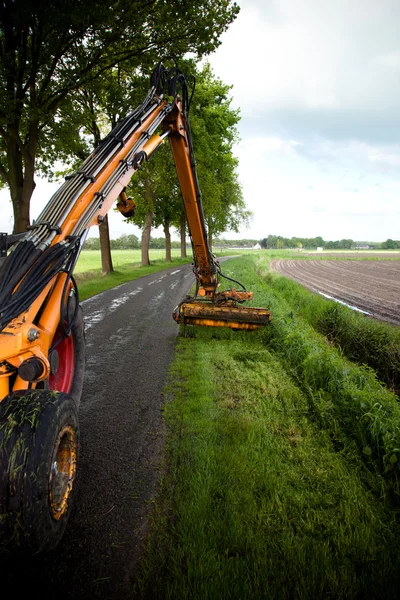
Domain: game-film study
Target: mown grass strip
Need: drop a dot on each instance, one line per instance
(257, 500)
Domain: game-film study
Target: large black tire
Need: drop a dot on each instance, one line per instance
(39, 444)
(69, 371)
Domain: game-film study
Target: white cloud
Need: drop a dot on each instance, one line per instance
(318, 85)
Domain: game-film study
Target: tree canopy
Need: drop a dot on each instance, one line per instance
(213, 125)
(50, 49)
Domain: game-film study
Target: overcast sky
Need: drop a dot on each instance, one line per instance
(318, 86)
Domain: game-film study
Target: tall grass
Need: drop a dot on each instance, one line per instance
(343, 397)
(360, 338)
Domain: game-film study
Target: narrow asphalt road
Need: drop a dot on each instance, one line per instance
(130, 337)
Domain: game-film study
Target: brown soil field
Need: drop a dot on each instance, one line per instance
(370, 286)
(360, 254)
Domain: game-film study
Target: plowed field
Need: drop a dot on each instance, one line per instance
(371, 286)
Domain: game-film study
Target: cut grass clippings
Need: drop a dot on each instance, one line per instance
(282, 467)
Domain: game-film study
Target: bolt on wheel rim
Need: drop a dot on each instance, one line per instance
(63, 471)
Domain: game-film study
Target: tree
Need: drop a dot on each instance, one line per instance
(213, 124)
(158, 199)
(50, 49)
(389, 244)
(125, 242)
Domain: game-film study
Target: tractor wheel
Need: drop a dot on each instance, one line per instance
(39, 442)
(67, 360)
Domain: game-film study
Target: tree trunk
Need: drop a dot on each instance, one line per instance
(183, 235)
(21, 197)
(167, 234)
(106, 261)
(20, 177)
(146, 238)
(210, 236)
(104, 231)
(148, 194)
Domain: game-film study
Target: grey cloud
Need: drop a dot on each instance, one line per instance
(370, 126)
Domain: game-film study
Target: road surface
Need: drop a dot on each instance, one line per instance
(130, 337)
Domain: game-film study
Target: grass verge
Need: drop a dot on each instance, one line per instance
(92, 282)
(258, 502)
(282, 467)
(360, 338)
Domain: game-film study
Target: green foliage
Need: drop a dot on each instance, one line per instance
(342, 395)
(363, 340)
(52, 54)
(213, 125)
(277, 241)
(245, 243)
(390, 244)
(125, 242)
(164, 197)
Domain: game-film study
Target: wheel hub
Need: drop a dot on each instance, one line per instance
(63, 471)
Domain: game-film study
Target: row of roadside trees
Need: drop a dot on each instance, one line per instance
(69, 71)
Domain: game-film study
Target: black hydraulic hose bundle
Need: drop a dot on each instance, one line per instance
(34, 275)
(15, 266)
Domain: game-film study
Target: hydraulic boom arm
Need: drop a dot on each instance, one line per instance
(42, 344)
(36, 281)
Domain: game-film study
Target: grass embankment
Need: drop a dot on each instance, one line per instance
(127, 267)
(282, 467)
(361, 339)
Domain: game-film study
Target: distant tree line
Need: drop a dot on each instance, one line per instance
(245, 243)
(277, 242)
(129, 242)
(390, 244)
(132, 242)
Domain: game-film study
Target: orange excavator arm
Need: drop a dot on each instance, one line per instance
(36, 277)
(42, 343)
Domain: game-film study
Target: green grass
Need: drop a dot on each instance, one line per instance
(281, 476)
(127, 267)
(94, 283)
(90, 260)
(363, 340)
